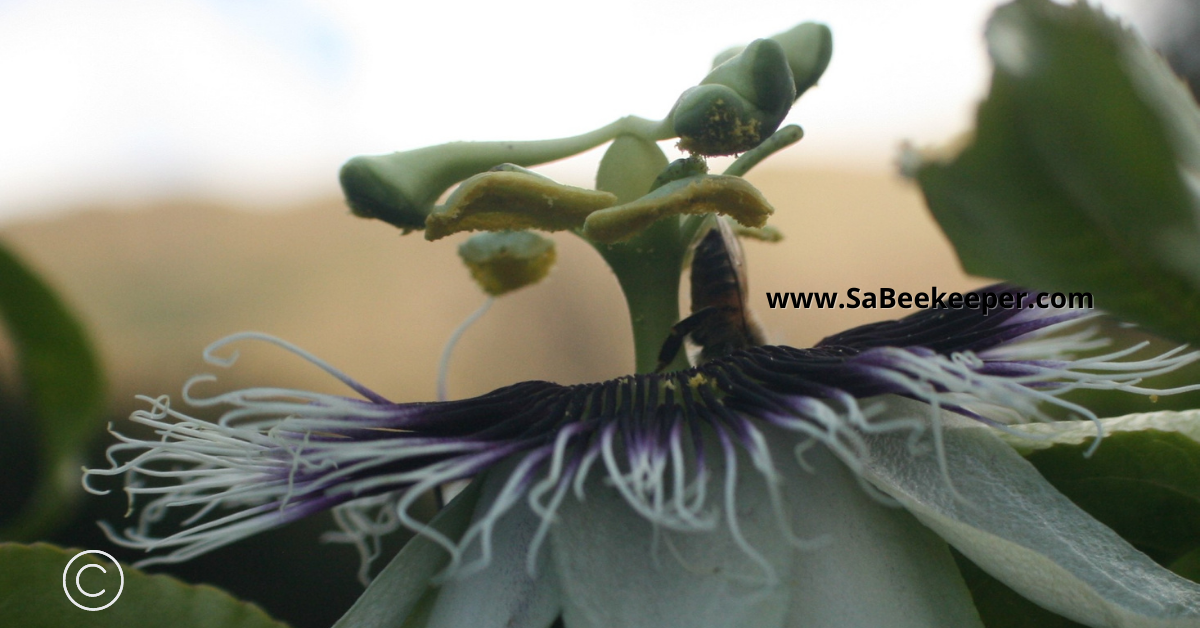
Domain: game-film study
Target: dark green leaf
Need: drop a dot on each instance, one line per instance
(1188, 565)
(63, 385)
(1142, 482)
(32, 595)
(1082, 172)
(1144, 485)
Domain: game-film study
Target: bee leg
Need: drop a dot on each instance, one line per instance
(674, 341)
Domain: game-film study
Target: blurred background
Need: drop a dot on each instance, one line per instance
(169, 167)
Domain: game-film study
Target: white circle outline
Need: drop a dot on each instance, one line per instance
(67, 570)
(80, 573)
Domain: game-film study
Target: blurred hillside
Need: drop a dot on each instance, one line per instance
(156, 284)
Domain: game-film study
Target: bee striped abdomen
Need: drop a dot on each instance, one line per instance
(720, 322)
(719, 282)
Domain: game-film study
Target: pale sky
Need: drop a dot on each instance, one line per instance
(260, 101)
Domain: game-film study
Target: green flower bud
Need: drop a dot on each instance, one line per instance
(401, 188)
(726, 55)
(809, 47)
(720, 194)
(739, 104)
(755, 73)
(511, 197)
(391, 188)
(503, 261)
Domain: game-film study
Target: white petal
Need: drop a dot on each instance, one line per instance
(502, 595)
(396, 592)
(615, 574)
(879, 566)
(1020, 529)
(1034, 436)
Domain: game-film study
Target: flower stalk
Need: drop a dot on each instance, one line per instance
(648, 268)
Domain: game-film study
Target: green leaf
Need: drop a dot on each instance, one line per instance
(1143, 485)
(401, 594)
(32, 595)
(63, 385)
(1082, 172)
(1143, 482)
(1188, 565)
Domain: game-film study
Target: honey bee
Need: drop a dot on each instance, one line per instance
(720, 322)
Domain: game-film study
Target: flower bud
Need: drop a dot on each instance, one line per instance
(401, 188)
(739, 104)
(392, 188)
(503, 261)
(726, 55)
(808, 47)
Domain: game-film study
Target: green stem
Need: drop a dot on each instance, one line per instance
(470, 158)
(648, 268)
(778, 141)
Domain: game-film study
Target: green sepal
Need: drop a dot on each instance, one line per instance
(511, 199)
(1082, 171)
(503, 261)
(404, 590)
(32, 595)
(64, 387)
